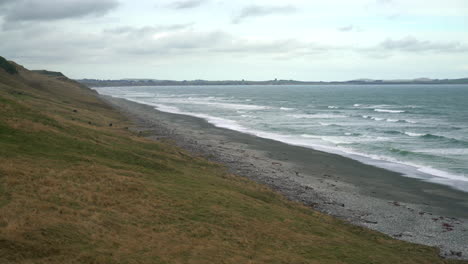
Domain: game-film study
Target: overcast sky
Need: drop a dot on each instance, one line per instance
(242, 39)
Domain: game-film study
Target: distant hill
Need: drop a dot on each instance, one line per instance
(151, 82)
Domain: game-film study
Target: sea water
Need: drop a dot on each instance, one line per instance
(420, 131)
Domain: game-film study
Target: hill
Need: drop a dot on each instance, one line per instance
(150, 82)
(77, 186)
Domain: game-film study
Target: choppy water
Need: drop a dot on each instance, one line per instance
(418, 130)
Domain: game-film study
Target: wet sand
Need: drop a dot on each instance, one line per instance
(404, 208)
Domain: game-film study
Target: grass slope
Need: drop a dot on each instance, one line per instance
(75, 190)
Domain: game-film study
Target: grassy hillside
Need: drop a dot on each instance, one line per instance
(74, 189)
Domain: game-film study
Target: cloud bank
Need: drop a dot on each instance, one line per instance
(47, 10)
(227, 39)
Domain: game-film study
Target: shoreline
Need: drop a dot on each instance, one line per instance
(404, 208)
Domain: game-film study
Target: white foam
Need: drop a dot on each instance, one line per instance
(167, 108)
(388, 111)
(391, 120)
(333, 107)
(411, 134)
(442, 174)
(286, 108)
(217, 121)
(325, 124)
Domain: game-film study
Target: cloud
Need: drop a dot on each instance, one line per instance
(46, 10)
(186, 4)
(3, 2)
(411, 44)
(146, 30)
(147, 43)
(350, 28)
(346, 28)
(256, 11)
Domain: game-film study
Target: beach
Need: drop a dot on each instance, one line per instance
(401, 207)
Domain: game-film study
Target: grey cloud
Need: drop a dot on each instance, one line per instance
(186, 4)
(346, 28)
(147, 30)
(350, 28)
(178, 43)
(256, 11)
(42, 10)
(410, 44)
(3, 2)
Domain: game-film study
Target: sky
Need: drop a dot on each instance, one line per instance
(306, 40)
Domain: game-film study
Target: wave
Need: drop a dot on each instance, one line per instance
(373, 106)
(436, 137)
(332, 107)
(411, 134)
(319, 116)
(352, 134)
(392, 132)
(328, 124)
(373, 118)
(391, 120)
(388, 111)
(449, 139)
(401, 151)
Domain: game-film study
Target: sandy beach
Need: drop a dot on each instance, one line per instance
(404, 208)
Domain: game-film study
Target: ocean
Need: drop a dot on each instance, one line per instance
(420, 131)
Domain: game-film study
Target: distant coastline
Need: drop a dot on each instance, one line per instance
(155, 82)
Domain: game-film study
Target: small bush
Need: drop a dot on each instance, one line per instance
(8, 67)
